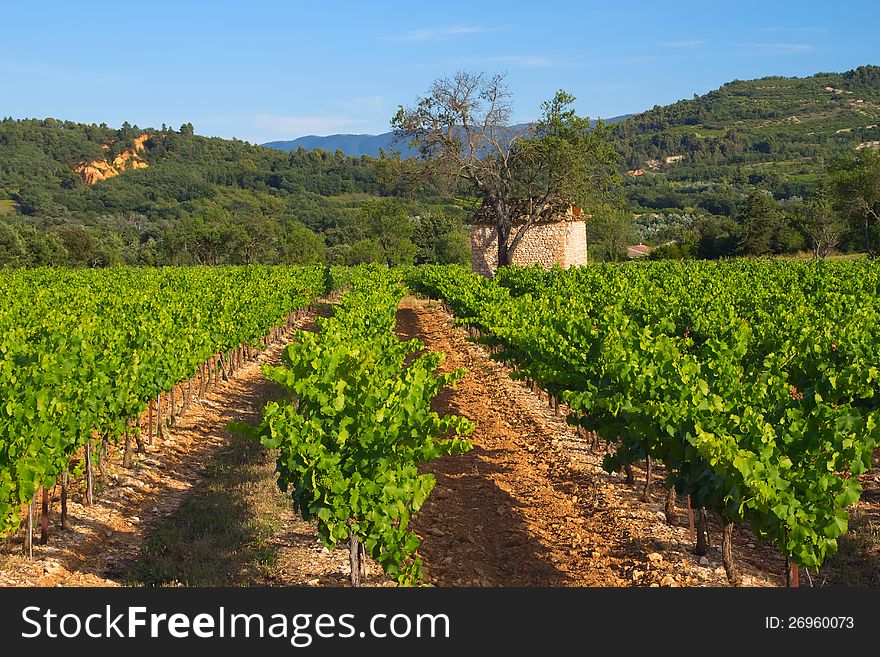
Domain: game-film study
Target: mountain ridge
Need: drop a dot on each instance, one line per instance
(356, 145)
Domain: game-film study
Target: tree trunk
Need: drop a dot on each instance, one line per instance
(354, 557)
(702, 547)
(503, 232)
(669, 508)
(646, 492)
(630, 479)
(173, 410)
(733, 575)
(223, 369)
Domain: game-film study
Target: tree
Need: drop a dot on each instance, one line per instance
(609, 233)
(387, 221)
(441, 238)
(759, 220)
(12, 248)
(855, 184)
(300, 246)
(820, 224)
(462, 129)
(78, 242)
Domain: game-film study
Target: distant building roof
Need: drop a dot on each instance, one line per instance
(638, 251)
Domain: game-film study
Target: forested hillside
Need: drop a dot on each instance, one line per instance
(758, 167)
(777, 132)
(182, 198)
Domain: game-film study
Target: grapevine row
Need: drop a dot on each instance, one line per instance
(84, 353)
(357, 425)
(755, 383)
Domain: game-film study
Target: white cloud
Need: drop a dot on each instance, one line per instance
(371, 104)
(774, 48)
(695, 43)
(791, 29)
(640, 59)
(59, 75)
(525, 61)
(433, 33)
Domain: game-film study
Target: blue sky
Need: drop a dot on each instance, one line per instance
(264, 70)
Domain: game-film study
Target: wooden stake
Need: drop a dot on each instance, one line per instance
(64, 480)
(29, 536)
(89, 478)
(160, 429)
(44, 517)
(126, 455)
(150, 422)
(691, 520)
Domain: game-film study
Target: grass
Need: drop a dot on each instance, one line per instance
(8, 206)
(221, 533)
(857, 562)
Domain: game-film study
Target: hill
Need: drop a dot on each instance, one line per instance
(81, 194)
(775, 132)
(351, 145)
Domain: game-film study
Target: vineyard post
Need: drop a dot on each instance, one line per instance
(44, 517)
(150, 422)
(160, 430)
(354, 556)
(691, 519)
(64, 479)
(89, 477)
(126, 456)
(102, 459)
(187, 395)
(646, 492)
(29, 535)
(792, 578)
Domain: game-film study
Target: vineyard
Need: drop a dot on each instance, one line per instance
(746, 390)
(754, 383)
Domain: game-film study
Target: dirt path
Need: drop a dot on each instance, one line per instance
(530, 505)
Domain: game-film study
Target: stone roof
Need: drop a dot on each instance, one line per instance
(484, 215)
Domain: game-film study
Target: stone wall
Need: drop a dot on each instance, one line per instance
(562, 242)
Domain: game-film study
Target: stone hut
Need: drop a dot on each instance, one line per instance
(559, 239)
